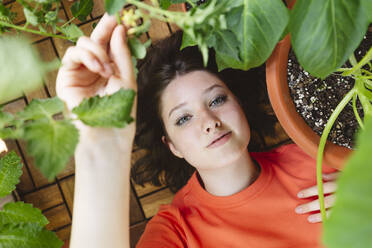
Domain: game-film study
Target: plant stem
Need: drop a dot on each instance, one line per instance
(323, 140)
(69, 21)
(356, 111)
(32, 31)
(169, 15)
(361, 63)
(191, 3)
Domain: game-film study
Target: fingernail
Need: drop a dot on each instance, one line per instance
(312, 219)
(299, 210)
(96, 65)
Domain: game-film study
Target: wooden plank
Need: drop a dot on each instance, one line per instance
(58, 217)
(25, 184)
(15, 106)
(177, 8)
(45, 198)
(98, 8)
(64, 234)
(136, 233)
(67, 186)
(48, 54)
(158, 29)
(151, 203)
(135, 209)
(148, 188)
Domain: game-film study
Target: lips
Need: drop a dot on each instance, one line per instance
(219, 137)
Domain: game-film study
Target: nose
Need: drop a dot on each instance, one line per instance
(210, 122)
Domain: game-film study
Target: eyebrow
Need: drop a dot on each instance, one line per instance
(204, 92)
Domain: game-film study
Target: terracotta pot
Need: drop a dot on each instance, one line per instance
(285, 110)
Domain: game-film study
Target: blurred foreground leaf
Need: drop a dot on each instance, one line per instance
(21, 69)
(350, 223)
(52, 143)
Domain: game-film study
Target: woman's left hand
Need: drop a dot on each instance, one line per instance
(329, 187)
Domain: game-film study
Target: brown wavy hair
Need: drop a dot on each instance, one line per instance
(165, 61)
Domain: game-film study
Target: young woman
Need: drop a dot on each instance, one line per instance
(234, 198)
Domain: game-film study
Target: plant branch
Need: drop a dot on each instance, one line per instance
(69, 21)
(323, 140)
(32, 31)
(361, 63)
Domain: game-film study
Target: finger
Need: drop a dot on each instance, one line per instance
(121, 56)
(77, 56)
(98, 51)
(103, 31)
(328, 187)
(331, 176)
(314, 205)
(316, 218)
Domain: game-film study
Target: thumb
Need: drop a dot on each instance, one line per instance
(121, 56)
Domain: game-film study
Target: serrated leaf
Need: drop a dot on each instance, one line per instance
(350, 221)
(28, 235)
(20, 212)
(52, 143)
(21, 69)
(107, 111)
(258, 26)
(113, 6)
(81, 9)
(30, 16)
(10, 172)
(72, 31)
(42, 108)
(324, 33)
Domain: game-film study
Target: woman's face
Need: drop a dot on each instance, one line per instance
(197, 108)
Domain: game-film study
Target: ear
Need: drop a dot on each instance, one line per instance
(171, 147)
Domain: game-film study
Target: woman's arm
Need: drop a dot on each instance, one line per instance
(100, 64)
(101, 200)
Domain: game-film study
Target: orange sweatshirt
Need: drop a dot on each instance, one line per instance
(260, 216)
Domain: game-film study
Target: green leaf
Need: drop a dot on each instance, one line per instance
(81, 9)
(5, 118)
(21, 69)
(113, 6)
(10, 172)
(72, 31)
(258, 26)
(29, 235)
(20, 212)
(350, 222)
(107, 111)
(324, 33)
(227, 49)
(187, 41)
(137, 48)
(164, 4)
(368, 8)
(52, 143)
(30, 17)
(42, 108)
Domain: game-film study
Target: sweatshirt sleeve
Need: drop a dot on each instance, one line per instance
(164, 230)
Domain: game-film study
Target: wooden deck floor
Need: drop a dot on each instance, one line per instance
(55, 199)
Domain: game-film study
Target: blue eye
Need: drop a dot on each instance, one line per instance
(219, 100)
(182, 120)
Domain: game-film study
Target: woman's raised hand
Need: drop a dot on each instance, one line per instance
(329, 187)
(98, 65)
